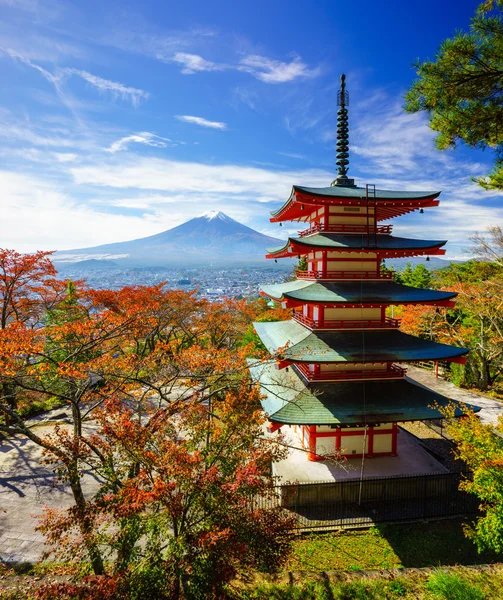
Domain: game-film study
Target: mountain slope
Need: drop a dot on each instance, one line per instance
(213, 237)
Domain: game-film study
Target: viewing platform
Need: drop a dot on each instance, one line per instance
(342, 275)
(343, 228)
(394, 372)
(387, 323)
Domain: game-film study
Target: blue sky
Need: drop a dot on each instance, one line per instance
(122, 119)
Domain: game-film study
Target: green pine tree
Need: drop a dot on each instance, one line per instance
(462, 89)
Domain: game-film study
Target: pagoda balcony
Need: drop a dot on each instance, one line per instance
(343, 275)
(394, 372)
(388, 323)
(343, 228)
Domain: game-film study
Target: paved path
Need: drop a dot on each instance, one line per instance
(490, 409)
(26, 487)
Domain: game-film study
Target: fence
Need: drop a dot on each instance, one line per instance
(330, 505)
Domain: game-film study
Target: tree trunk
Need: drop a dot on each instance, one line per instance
(484, 376)
(85, 521)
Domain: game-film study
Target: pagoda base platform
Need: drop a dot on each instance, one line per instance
(412, 459)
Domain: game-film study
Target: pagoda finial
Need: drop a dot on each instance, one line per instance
(342, 138)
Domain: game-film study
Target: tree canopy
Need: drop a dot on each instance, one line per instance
(462, 89)
(160, 407)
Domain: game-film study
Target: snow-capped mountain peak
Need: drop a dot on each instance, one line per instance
(216, 214)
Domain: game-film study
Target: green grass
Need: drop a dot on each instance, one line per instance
(459, 585)
(387, 547)
(447, 586)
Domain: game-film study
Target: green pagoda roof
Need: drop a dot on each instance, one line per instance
(304, 345)
(366, 292)
(337, 241)
(360, 192)
(357, 193)
(288, 400)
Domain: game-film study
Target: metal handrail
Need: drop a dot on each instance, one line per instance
(343, 274)
(395, 372)
(342, 228)
(388, 323)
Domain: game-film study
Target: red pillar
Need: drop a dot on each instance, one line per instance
(312, 443)
(338, 439)
(394, 439)
(370, 442)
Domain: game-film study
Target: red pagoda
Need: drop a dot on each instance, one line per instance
(338, 377)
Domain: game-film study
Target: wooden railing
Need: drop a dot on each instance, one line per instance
(343, 275)
(395, 372)
(343, 228)
(388, 323)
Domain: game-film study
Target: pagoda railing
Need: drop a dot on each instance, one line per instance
(343, 228)
(394, 372)
(388, 323)
(343, 274)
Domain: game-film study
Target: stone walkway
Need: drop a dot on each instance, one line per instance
(490, 409)
(26, 487)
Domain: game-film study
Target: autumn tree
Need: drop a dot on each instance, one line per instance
(489, 247)
(197, 511)
(162, 376)
(480, 446)
(28, 287)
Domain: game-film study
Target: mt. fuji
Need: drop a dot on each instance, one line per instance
(213, 237)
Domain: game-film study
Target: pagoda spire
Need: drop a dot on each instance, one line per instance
(342, 144)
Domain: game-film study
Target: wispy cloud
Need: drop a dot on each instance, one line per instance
(293, 155)
(202, 122)
(186, 177)
(142, 137)
(115, 88)
(263, 68)
(276, 71)
(193, 63)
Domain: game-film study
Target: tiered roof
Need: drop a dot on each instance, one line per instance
(389, 203)
(385, 245)
(299, 344)
(352, 292)
(288, 400)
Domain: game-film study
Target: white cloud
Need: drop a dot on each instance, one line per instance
(143, 137)
(37, 214)
(276, 71)
(263, 68)
(193, 63)
(115, 88)
(202, 122)
(186, 177)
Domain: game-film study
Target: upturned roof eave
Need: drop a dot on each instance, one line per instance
(298, 344)
(296, 295)
(307, 242)
(381, 196)
(288, 400)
